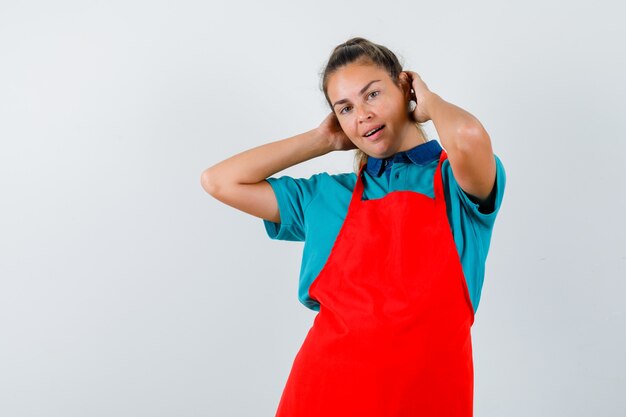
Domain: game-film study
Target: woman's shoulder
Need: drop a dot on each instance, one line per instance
(324, 181)
(342, 179)
(305, 189)
(324, 176)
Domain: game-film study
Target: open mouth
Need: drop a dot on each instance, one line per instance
(374, 132)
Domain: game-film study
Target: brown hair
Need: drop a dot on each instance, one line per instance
(361, 50)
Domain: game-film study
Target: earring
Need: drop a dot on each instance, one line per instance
(412, 105)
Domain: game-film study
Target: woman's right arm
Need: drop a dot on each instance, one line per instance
(239, 181)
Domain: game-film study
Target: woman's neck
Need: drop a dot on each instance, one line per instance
(413, 137)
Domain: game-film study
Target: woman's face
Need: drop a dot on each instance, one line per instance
(364, 97)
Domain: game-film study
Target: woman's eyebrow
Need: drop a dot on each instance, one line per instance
(343, 100)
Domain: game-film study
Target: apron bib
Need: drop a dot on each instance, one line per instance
(392, 336)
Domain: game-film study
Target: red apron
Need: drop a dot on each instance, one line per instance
(392, 336)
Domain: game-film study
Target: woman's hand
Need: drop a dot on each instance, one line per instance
(331, 129)
(420, 94)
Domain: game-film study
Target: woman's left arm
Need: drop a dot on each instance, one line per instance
(464, 138)
(468, 146)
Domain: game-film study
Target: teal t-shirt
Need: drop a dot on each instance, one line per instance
(313, 210)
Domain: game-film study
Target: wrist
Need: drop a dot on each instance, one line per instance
(431, 101)
(319, 142)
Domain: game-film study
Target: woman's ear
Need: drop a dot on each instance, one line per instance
(405, 85)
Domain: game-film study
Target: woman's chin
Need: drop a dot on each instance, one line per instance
(378, 150)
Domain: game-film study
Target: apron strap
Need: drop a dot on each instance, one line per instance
(357, 194)
(438, 182)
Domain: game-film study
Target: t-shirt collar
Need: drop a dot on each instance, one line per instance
(422, 154)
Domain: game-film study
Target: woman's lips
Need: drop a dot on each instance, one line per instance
(375, 136)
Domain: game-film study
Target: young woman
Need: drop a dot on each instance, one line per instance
(394, 253)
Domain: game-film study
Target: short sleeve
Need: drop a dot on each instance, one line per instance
(485, 213)
(293, 196)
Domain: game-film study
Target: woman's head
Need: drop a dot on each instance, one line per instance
(352, 66)
(360, 50)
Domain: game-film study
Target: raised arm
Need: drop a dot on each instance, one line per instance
(464, 138)
(468, 146)
(239, 181)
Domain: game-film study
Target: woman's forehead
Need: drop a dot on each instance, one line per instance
(350, 79)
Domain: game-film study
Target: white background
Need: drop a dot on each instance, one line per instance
(126, 290)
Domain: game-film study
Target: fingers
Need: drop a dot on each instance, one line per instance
(411, 74)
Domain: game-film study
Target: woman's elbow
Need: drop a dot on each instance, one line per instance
(208, 182)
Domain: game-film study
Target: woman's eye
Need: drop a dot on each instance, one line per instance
(372, 94)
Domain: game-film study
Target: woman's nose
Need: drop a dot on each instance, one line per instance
(364, 113)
